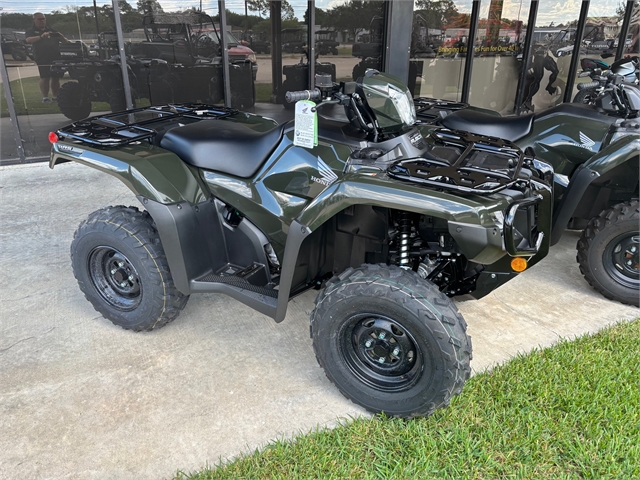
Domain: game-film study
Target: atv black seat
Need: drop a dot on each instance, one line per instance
(509, 128)
(223, 146)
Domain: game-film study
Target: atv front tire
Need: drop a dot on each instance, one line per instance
(121, 268)
(391, 341)
(73, 101)
(608, 253)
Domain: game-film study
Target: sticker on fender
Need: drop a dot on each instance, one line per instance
(306, 125)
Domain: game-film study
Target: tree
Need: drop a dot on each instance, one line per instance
(437, 14)
(263, 8)
(287, 11)
(355, 16)
(260, 6)
(149, 6)
(322, 17)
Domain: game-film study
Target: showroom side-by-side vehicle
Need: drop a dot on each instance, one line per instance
(387, 222)
(595, 153)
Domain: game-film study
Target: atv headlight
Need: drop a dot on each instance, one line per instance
(404, 104)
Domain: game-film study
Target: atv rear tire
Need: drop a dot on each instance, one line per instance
(390, 341)
(608, 253)
(73, 101)
(19, 54)
(121, 268)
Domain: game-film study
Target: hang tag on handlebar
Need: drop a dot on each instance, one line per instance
(306, 125)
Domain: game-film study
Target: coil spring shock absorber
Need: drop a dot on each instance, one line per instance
(404, 230)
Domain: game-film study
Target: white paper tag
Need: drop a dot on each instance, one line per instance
(306, 125)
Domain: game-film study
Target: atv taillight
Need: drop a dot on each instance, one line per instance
(53, 137)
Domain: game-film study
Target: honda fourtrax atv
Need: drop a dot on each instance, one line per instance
(386, 222)
(595, 153)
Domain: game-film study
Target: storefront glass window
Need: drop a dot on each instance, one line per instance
(57, 68)
(600, 42)
(548, 65)
(497, 60)
(438, 47)
(349, 38)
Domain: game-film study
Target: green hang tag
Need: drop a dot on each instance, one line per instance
(306, 125)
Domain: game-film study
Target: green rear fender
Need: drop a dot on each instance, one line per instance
(148, 171)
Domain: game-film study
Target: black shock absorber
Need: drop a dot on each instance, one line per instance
(404, 230)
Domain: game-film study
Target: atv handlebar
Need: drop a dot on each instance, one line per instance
(314, 94)
(588, 85)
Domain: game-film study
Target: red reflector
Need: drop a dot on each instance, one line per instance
(53, 137)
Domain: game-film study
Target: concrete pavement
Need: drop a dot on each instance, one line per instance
(83, 399)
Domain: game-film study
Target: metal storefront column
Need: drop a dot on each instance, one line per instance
(526, 55)
(311, 41)
(12, 109)
(471, 43)
(575, 56)
(275, 13)
(123, 55)
(225, 53)
(626, 23)
(398, 26)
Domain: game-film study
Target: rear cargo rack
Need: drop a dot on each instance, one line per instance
(432, 109)
(463, 162)
(121, 128)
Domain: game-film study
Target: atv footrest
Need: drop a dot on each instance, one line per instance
(238, 282)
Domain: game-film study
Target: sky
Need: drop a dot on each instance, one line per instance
(549, 10)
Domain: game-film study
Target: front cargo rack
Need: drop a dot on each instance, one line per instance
(121, 128)
(430, 110)
(463, 162)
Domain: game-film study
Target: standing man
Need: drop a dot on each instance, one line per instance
(46, 48)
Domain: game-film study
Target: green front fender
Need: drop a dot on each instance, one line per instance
(379, 191)
(615, 154)
(148, 171)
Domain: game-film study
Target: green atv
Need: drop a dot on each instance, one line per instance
(387, 223)
(595, 153)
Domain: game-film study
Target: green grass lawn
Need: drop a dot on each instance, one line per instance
(569, 411)
(28, 99)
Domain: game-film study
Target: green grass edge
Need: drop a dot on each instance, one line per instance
(567, 411)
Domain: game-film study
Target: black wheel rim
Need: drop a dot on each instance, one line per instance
(115, 278)
(621, 259)
(381, 352)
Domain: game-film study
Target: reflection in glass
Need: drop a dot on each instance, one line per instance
(439, 40)
(62, 46)
(497, 61)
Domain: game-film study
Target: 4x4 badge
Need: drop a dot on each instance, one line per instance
(586, 142)
(327, 177)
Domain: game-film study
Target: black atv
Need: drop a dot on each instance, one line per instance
(179, 61)
(387, 223)
(296, 77)
(326, 42)
(13, 43)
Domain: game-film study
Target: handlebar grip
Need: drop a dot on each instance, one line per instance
(587, 85)
(314, 94)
